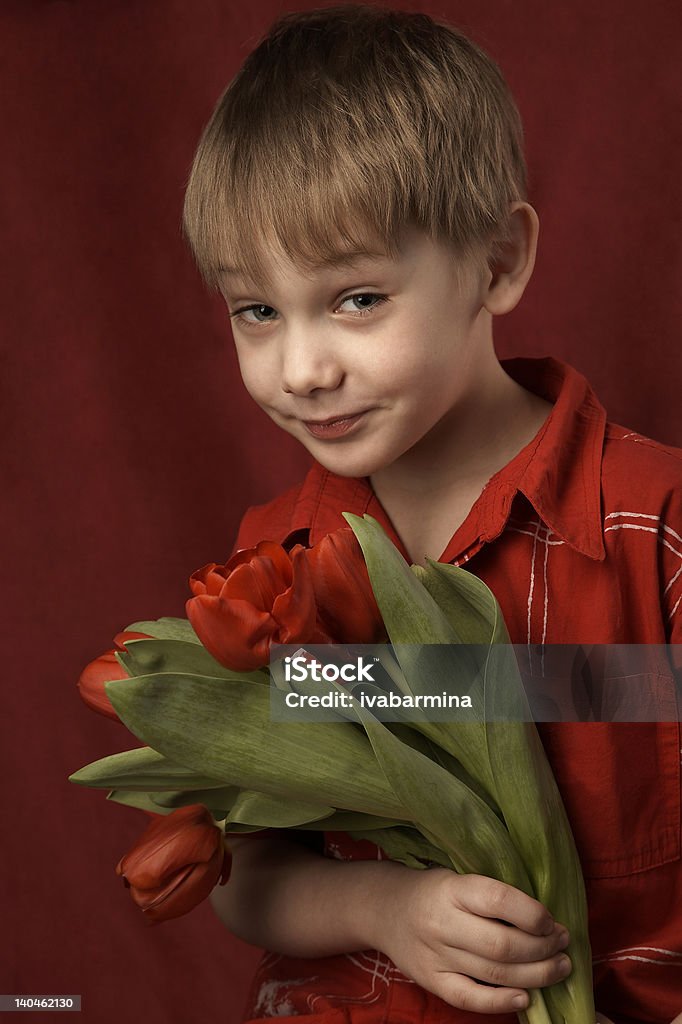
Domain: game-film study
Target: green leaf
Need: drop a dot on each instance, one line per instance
(350, 821)
(535, 816)
(133, 798)
(406, 845)
(166, 628)
(218, 801)
(228, 731)
(238, 829)
(143, 657)
(446, 811)
(409, 612)
(426, 644)
(141, 769)
(466, 600)
(252, 808)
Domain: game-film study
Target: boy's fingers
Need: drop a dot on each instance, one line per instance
(466, 994)
(489, 898)
(522, 976)
(501, 944)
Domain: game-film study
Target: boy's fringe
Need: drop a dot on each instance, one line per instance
(344, 125)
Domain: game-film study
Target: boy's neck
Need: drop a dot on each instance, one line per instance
(435, 483)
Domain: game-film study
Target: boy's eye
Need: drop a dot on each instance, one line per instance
(361, 298)
(261, 312)
(363, 303)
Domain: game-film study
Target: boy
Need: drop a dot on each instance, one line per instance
(358, 198)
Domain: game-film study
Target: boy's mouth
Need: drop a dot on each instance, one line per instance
(335, 426)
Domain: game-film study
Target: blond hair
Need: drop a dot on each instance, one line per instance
(344, 125)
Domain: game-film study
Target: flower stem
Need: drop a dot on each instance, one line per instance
(536, 1011)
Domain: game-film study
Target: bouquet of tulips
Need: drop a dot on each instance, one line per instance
(477, 796)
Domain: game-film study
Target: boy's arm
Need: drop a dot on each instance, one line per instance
(286, 898)
(441, 929)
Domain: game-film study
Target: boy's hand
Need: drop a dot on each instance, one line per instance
(448, 933)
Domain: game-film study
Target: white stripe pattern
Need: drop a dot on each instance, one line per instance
(544, 581)
(541, 534)
(671, 957)
(673, 579)
(673, 953)
(531, 588)
(641, 959)
(381, 970)
(634, 437)
(538, 538)
(658, 530)
(543, 540)
(656, 519)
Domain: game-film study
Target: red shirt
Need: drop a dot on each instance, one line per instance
(580, 539)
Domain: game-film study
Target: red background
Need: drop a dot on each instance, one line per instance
(130, 448)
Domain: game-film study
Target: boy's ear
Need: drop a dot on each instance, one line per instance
(512, 266)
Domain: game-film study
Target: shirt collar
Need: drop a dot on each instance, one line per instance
(559, 472)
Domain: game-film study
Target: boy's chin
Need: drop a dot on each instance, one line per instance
(339, 460)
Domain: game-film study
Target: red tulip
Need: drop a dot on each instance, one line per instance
(346, 607)
(175, 863)
(101, 671)
(261, 596)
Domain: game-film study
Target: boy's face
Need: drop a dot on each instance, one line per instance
(390, 343)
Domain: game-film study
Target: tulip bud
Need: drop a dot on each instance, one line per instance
(261, 596)
(102, 670)
(346, 606)
(175, 863)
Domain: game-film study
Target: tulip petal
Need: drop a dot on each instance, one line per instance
(183, 817)
(207, 580)
(294, 610)
(169, 844)
(146, 898)
(234, 632)
(256, 604)
(264, 549)
(128, 634)
(92, 679)
(183, 894)
(259, 583)
(151, 861)
(343, 593)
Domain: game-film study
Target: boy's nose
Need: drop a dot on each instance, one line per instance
(309, 362)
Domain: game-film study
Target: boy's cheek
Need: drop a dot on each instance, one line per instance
(256, 379)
